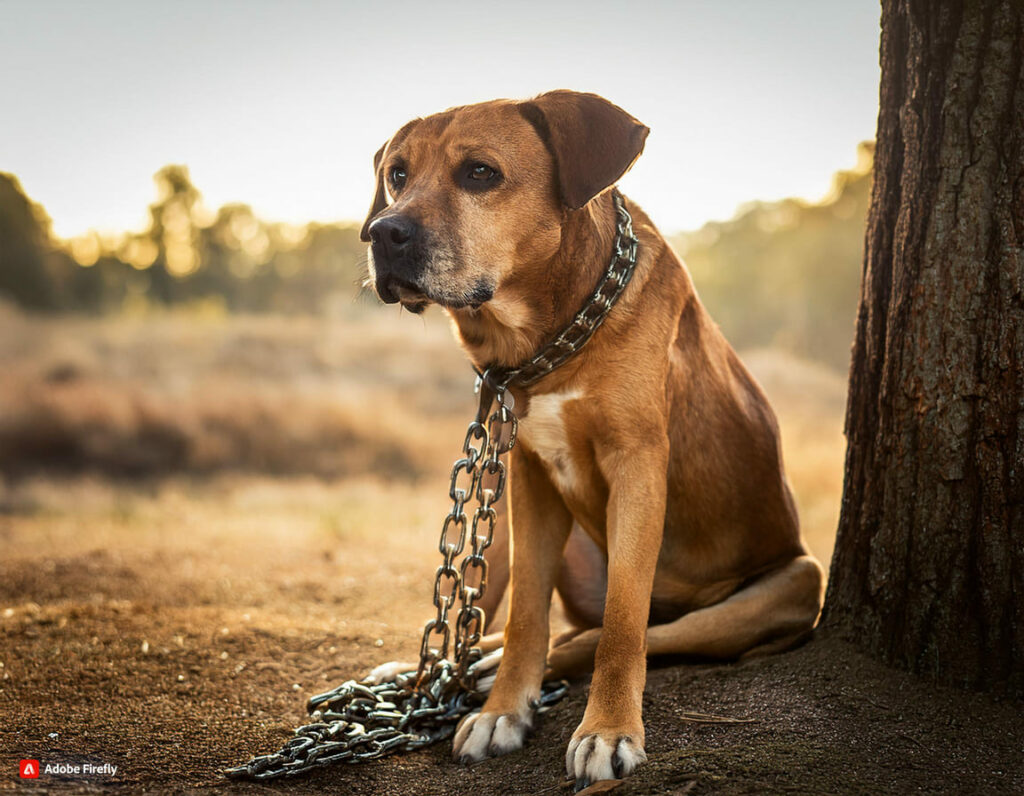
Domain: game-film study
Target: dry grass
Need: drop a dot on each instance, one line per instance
(350, 556)
(365, 399)
(184, 393)
(810, 401)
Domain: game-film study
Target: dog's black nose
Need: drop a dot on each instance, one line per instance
(390, 236)
(396, 244)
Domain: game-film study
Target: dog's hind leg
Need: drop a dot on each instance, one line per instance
(770, 614)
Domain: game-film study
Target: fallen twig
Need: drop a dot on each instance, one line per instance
(707, 718)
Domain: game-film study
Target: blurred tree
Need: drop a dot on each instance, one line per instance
(172, 230)
(333, 267)
(233, 250)
(185, 254)
(786, 273)
(25, 249)
(782, 273)
(928, 571)
(35, 272)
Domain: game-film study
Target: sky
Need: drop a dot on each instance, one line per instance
(281, 105)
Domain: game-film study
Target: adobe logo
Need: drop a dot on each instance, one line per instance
(28, 769)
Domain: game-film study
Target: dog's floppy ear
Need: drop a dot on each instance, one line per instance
(380, 199)
(593, 141)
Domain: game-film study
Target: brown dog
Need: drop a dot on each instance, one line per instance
(654, 438)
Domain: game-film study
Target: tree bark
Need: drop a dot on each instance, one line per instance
(928, 571)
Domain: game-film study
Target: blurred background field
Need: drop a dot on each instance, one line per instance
(217, 355)
(378, 398)
(780, 274)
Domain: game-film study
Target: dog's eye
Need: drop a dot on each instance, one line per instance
(397, 176)
(482, 172)
(476, 176)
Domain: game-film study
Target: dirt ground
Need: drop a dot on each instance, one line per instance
(191, 643)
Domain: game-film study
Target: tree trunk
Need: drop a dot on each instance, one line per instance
(928, 572)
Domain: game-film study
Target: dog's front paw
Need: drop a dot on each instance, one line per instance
(387, 672)
(482, 735)
(594, 756)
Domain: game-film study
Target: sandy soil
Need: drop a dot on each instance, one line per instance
(175, 628)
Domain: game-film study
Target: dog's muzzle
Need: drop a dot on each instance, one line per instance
(397, 258)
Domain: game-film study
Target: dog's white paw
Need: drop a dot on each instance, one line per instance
(487, 670)
(387, 672)
(482, 735)
(592, 757)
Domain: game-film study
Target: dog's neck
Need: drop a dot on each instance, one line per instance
(512, 327)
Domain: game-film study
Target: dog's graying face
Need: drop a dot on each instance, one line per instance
(469, 197)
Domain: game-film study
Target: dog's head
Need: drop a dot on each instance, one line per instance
(465, 196)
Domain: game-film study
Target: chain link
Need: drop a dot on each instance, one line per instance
(356, 722)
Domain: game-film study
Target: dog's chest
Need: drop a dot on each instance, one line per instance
(545, 431)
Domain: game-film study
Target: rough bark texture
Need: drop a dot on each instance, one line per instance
(928, 572)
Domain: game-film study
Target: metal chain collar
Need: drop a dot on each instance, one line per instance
(356, 722)
(571, 339)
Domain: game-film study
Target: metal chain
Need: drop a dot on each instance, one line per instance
(571, 339)
(356, 722)
(481, 476)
